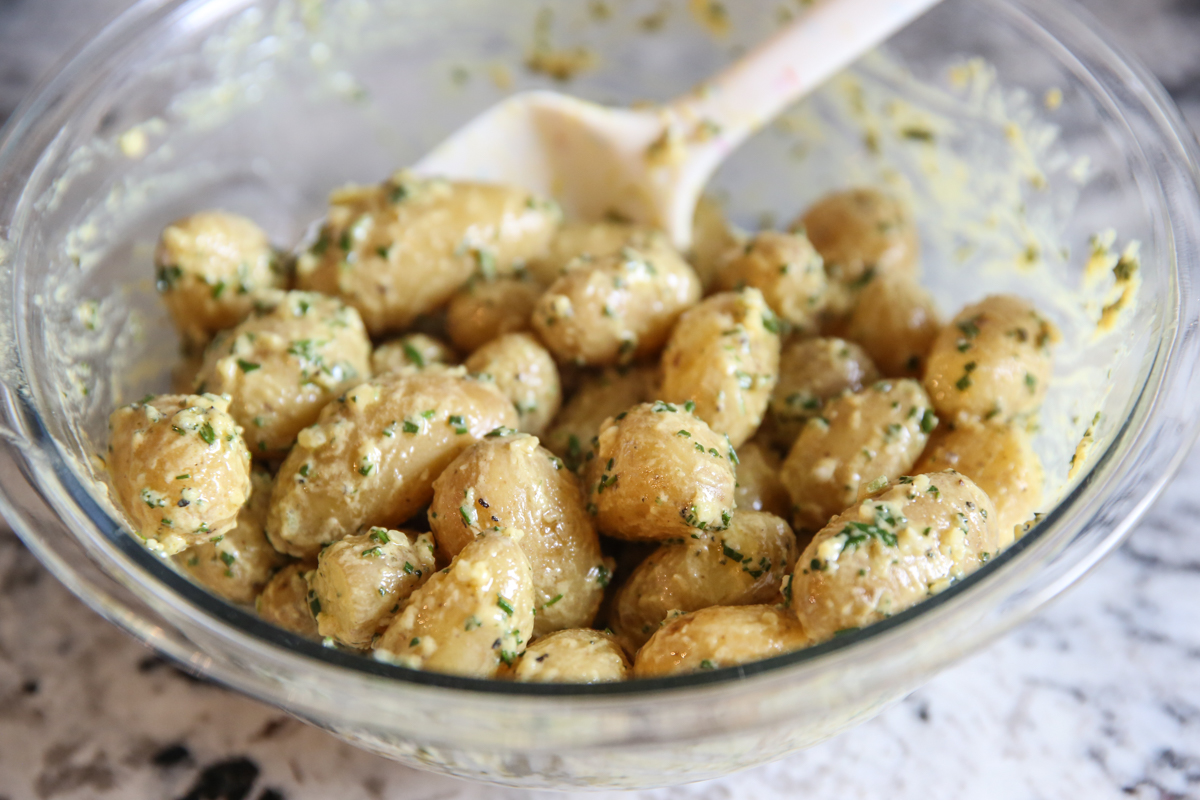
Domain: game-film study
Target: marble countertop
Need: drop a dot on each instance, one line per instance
(1097, 697)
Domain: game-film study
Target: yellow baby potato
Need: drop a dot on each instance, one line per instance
(578, 655)
(786, 269)
(285, 601)
(713, 235)
(587, 241)
(895, 321)
(179, 468)
(598, 397)
(759, 487)
(402, 248)
(282, 365)
(812, 372)
(892, 550)
(720, 636)
(372, 456)
(485, 310)
(411, 351)
(471, 618)
(859, 439)
(724, 356)
(659, 472)
(525, 373)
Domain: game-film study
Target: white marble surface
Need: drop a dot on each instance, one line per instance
(1097, 697)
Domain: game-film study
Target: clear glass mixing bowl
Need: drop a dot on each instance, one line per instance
(1012, 128)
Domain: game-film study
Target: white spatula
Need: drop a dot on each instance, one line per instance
(650, 165)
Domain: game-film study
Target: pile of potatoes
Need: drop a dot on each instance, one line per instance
(467, 436)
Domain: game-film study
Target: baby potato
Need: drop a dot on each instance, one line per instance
(361, 580)
(238, 564)
(179, 468)
(1000, 460)
(893, 550)
(404, 247)
(511, 482)
(281, 366)
(485, 310)
(858, 440)
(724, 356)
(743, 565)
(285, 601)
(895, 321)
(812, 372)
(786, 269)
(524, 373)
(616, 308)
(758, 485)
(587, 241)
(469, 618)
(372, 456)
(992, 361)
(861, 233)
(713, 235)
(599, 397)
(210, 269)
(578, 655)
(659, 472)
(411, 351)
(720, 636)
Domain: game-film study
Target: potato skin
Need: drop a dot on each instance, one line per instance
(759, 487)
(577, 655)
(618, 308)
(860, 438)
(485, 310)
(404, 247)
(238, 564)
(360, 581)
(179, 468)
(895, 321)
(724, 356)
(210, 268)
(598, 397)
(588, 241)
(893, 550)
(511, 482)
(524, 372)
(411, 351)
(1000, 460)
(742, 565)
(720, 636)
(659, 472)
(283, 364)
(470, 618)
(284, 601)
(372, 459)
(786, 269)
(992, 361)
(812, 372)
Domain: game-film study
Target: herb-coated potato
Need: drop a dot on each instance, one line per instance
(236, 565)
(524, 373)
(616, 308)
(285, 601)
(404, 247)
(1000, 460)
(598, 397)
(713, 235)
(895, 321)
(578, 655)
(742, 565)
(470, 618)
(179, 468)
(758, 485)
(210, 269)
(586, 240)
(859, 439)
(372, 457)
(411, 351)
(281, 366)
(511, 482)
(720, 636)
(893, 550)
(786, 269)
(361, 580)
(724, 356)
(485, 310)
(992, 361)
(659, 472)
(811, 372)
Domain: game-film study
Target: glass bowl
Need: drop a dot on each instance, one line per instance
(1016, 133)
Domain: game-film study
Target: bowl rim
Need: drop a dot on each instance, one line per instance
(57, 484)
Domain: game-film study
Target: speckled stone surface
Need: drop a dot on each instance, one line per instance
(1097, 697)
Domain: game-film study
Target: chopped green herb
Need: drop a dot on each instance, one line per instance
(380, 535)
(683, 433)
(183, 477)
(504, 604)
(730, 553)
(207, 433)
(411, 427)
(707, 664)
(247, 366)
(371, 552)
